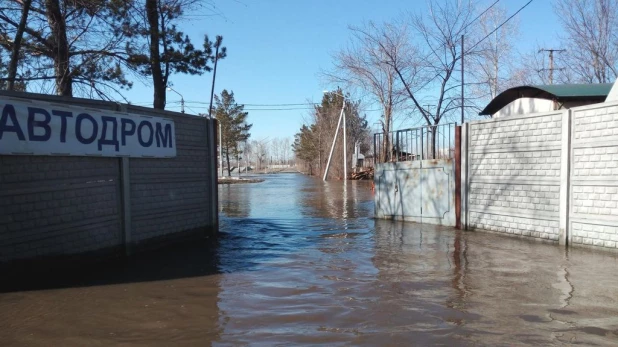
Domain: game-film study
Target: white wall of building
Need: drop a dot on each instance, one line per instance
(526, 106)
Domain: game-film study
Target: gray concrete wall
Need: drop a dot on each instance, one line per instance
(56, 206)
(418, 191)
(172, 195)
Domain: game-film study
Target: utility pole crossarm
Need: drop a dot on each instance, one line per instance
(551, 62)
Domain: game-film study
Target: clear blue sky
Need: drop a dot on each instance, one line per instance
(276, 49)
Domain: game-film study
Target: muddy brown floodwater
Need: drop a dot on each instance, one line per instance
(300, 261)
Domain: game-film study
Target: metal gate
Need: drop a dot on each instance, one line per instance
(418, 183)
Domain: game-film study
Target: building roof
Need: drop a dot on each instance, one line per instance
(556, 92)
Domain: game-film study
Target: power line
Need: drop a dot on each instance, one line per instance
(260, 105)
(483, 39)
(268, 105)
(282, 109)
(462, 30)
(251, 105)
(499, 26)
(479, 16)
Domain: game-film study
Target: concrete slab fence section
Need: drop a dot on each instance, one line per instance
(55, 206)
(513, 175)
(551, 176)
(593, 188)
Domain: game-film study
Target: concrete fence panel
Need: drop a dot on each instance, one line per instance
(514, 175)
(59, 205)
(174, 195)
(593, 218)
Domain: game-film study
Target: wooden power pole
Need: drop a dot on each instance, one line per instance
(551, 62)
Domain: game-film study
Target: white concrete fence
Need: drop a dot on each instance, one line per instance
(551, 176)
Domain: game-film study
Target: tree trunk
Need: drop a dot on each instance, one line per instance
(57, 24)
(17, 44)
(432, 134)
(227, 158)
(158, 82)
(386, 128)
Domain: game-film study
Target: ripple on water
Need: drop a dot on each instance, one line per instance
(300, 261)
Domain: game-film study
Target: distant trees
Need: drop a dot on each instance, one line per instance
(306, 148)
(312, 144)
(234, 126)
(260, 151)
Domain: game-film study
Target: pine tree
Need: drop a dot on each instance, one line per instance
(234, 126)
(160, 49)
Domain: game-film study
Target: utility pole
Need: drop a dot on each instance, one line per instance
(345, 147)
(182, 99)
(332, 148)
(462, 79)
(551, 62)
(221, 148)
(218, 41)
(495, 93)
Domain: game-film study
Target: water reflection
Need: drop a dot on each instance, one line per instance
(301, 261)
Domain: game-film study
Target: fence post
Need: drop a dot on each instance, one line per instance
(457, 177)
(125, 197)
(465, 140)
(212, 140)
(397, 146)
(125, 179)
(565, 167)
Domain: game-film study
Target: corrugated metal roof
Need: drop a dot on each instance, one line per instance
(576, 90)
(557, 92)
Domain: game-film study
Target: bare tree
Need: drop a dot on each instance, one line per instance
(286, 149)
(261, 152)
(591, 39)
(275, 150)
(427, 67)
(532, 69)
(492, 69)
(363, 66)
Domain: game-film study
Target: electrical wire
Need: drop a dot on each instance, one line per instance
(499, 26)
(484, 38)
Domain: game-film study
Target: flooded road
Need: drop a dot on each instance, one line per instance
(301, 261)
